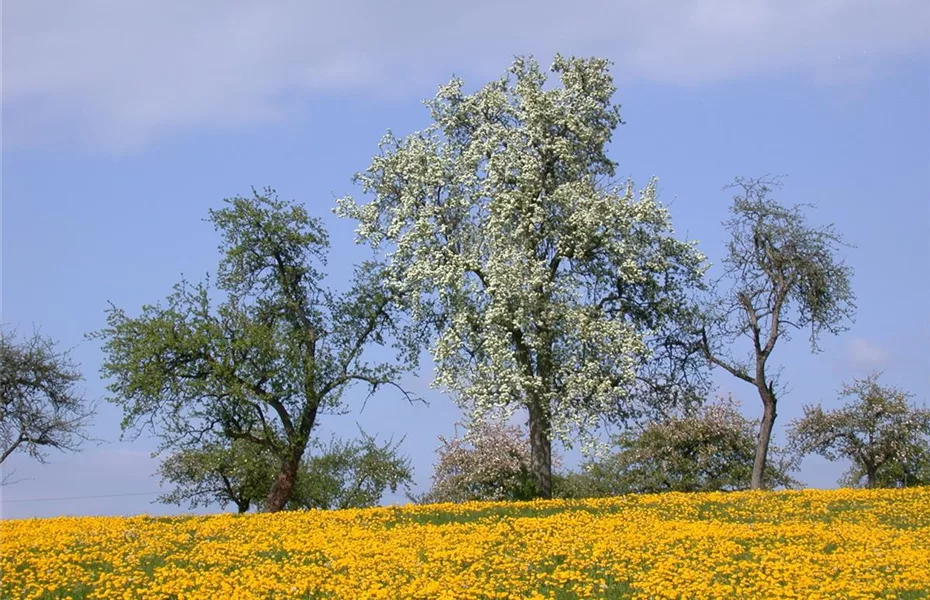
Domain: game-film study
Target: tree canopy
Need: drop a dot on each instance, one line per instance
(236, 472)
(702, 449)
(544, 278)
(351, 474)
(781, 274)
(490, 460)
(260, 354)
(41, 407)
(885, 438)
(341, 474)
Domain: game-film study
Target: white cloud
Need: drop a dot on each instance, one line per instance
(865, 354)
(120, 72)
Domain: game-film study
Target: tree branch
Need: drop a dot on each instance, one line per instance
(720, 363)
(16, 443)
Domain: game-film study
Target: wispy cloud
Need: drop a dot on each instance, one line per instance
(121, 72)
(865, 354)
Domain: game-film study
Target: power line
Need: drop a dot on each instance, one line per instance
(79, 497)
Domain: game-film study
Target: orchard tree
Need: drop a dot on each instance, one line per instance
(544, 280)
(490, 461)
(709, 448)
(342, 474)
(260, 355)
(351, 474)
(781, 275)
(41, 407)
(886, 440)
(237, 472)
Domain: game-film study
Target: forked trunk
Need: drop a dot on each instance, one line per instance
(765, 437)
(540, 449)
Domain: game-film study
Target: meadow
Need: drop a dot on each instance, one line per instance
(796, 544)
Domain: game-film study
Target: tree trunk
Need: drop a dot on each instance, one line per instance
(870, 476)
(540, 448)
(243, 506)
(283, 485)
(765, 436)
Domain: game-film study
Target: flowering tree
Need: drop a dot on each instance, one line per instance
(491, 461)
(544, 282)
(887, 441)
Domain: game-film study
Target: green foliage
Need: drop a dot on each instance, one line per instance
(886, 440)
(342, 474)
(781, 274)
(706, 449)
(40, 405)
(351, 474)
(257, 357)
(544, 279)
(240, 472)
(786, 269)
(575, 485)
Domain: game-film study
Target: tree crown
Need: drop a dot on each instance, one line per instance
(542, 278)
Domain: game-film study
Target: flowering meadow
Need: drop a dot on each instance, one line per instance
(798, 544)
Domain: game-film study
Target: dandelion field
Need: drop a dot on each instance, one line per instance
(803, 544)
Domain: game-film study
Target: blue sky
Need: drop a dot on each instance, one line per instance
(124, 122)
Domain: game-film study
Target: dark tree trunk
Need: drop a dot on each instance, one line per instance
(540, 448)
(765, 436)
(243, 506)
(283, 485)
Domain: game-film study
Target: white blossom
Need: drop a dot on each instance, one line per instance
(501, 230)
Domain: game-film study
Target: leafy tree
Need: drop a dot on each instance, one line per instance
(351, 474)
(491, 461)
(705, 449)
(344, 474)
(544, 280)
(40, 405)
(261, 355)
(783, 275)
(241, 473)
(886, 439)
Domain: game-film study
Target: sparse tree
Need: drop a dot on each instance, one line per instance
(886, 439)
(41, 407)
(710, 448)
(261, 355)
(781, 274)
(544, 280)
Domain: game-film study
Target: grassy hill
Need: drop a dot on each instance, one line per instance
(807, 544)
